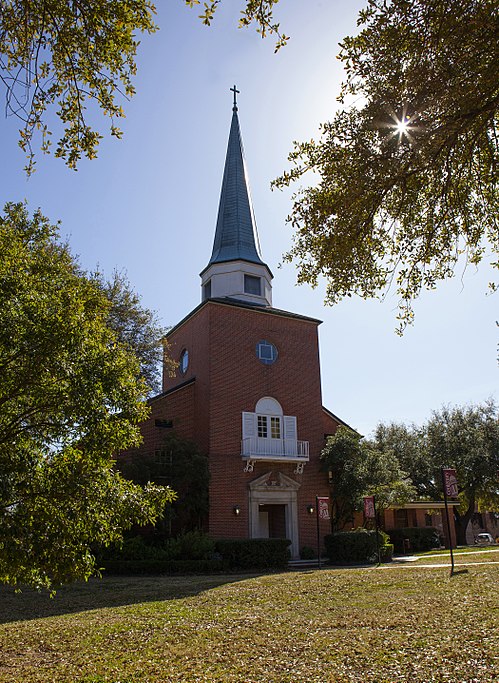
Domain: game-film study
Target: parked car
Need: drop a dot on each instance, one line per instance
(484, 539)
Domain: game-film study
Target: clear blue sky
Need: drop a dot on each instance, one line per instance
(148, 205)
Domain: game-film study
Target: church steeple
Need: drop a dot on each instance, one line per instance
(236, 268)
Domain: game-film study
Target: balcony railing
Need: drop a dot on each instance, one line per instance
(257, 448)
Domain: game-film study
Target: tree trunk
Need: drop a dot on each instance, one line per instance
(462, 521)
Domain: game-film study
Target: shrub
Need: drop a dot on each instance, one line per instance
(193, 545)
(134, 548)
(386, 552)
(420, 538)
(353, 547)
(194, 552)
(254, 553)
(307, 553)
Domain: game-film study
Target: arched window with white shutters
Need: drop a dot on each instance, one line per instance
(268, 431)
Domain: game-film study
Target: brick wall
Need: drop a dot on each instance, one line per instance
(177, 407)
(293, 380)
(229, 379)
(329, 423)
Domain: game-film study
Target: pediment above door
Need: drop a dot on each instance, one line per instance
(276, 481)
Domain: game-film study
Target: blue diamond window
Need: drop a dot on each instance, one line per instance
(266, 352)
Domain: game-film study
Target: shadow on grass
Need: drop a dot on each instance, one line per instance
(110, 591)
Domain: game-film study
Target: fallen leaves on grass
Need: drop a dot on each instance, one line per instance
(333, 626)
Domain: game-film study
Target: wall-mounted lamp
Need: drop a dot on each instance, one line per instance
(310, 509)
(237, 510)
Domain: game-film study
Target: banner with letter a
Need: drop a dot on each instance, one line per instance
(450, 483)
(323, 507)
(369, 508)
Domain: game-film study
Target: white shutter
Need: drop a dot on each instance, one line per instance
(249, 425)
(290, 431)
(290, 443)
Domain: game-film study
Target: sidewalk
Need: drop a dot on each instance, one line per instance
(459, 559)
(457, 553)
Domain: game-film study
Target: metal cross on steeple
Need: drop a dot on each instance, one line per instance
(236, 251)
(235, 91)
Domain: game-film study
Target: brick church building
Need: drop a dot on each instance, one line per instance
(247, 389)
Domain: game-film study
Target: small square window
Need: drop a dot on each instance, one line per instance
(266, 352)
(207, 290)
(252, 285)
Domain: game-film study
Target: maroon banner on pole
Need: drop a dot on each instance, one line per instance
(323, 507)
(369, 509)
(450, 483)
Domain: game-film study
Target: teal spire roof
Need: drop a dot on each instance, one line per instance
(236, 236)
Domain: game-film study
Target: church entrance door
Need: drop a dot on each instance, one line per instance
(272, 521)
(274, 510)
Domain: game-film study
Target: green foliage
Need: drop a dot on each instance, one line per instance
(420, 538)
(254, 553)
(307, 553)
(408, 173)
(194, 545)
(136, 327)
(60, 54)
(71, 395)
(354, 547)
(386, 552)
(192, 552)
(359, 469)
(467, 438)
(406, 442)
(181, 466)
(257, 12)
(464, 438)
(134, 548)
(195, 552)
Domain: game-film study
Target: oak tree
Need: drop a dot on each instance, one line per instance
(358, 468)
(71, 395)
(407, 169)
(63, 55)
(465, 438)
(177, 463)
(136, 327)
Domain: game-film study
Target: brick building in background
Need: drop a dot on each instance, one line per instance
(248, 387)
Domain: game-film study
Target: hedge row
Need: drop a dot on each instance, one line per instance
(357, 547)
(255, 553)
(193, 545)
(420, 538)
(136, 557)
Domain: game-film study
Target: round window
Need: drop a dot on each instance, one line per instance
(266, 352)
(184, 361)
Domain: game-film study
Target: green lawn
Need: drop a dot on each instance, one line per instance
(405, 624)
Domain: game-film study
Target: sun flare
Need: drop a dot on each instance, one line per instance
(402, 126)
